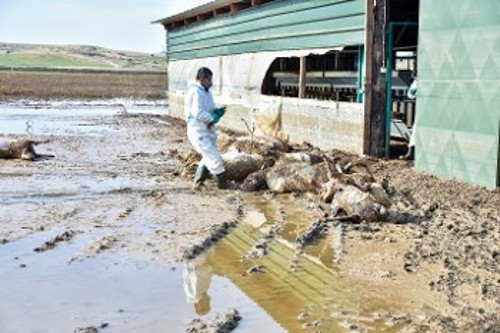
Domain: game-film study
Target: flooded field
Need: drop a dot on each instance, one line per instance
(95, 236)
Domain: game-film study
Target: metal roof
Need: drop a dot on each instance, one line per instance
(207, 11)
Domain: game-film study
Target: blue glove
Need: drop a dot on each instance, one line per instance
(216, 117)
(218, 113)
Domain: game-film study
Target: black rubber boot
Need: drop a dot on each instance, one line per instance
(410, 155)
(222, 181)
(200, 176)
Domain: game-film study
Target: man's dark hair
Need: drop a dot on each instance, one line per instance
(203, 72)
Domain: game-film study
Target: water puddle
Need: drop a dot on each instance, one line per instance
(316, 295)
(48, 122)
(49, 187)
(66, 118)
(42, 292)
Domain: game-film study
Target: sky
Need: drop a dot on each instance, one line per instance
(116, 24)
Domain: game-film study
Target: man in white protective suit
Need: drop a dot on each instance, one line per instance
(201, 116)
(197, 277)
(412, 94)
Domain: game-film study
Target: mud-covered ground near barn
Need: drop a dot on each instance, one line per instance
(95, 238)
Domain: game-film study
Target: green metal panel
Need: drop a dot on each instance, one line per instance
(276, 26)
(458, 108)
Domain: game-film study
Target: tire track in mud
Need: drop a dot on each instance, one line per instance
(336, 235)
(218, 231)
(64, 237)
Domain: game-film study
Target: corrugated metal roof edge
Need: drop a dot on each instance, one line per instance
(216, 4)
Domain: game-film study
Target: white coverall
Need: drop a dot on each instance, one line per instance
(197, 277)
(412, 94)
(198, 107)
(196, 281)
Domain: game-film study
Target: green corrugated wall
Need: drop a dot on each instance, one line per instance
(275, 26)
(458, 108)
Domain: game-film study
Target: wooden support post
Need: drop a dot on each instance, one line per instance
(374, 136)
(302, 77)
(221, 73)
(498, 157)
(167, 58)
(221, 11)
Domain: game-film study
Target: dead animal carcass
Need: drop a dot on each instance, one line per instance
(21, 149)
(254, 182)
(239, 165)
(296, 177)
(369, 204)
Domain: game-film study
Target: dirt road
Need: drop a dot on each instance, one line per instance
(112, 205)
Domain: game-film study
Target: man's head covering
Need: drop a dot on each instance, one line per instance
(203, 72)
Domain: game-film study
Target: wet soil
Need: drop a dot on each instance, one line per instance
(120, 189)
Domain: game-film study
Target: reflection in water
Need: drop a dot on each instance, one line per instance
(197, 277)
(131, 295)
(29, 126)
(318, 292)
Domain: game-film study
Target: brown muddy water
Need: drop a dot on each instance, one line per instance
(49, 292)
(135, 283)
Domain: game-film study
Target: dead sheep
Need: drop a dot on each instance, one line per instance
(254, 182)
(369, 205)
(296, 177)
(20, 149)
(239, 165)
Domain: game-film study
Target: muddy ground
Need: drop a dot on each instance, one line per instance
(124, 191)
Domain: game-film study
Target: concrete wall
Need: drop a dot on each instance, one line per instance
(324, 124)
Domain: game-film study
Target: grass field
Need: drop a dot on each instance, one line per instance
(14, 55)
(82, 84)
(79, 71)
(49, 61)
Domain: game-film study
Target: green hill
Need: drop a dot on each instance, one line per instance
(76, 56)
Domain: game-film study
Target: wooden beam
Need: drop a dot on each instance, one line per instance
(177, 24)
(302, 77)
(258, 2)
(221, 11)
(373, 141)
(189, 20)
(204, 16)
(236, 7)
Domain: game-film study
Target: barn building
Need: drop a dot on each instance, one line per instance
(325, 63)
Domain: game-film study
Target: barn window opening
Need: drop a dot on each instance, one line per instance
(330, 76)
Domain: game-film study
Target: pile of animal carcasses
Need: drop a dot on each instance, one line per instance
(239, 165)
(260, 165)
(354, 194)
